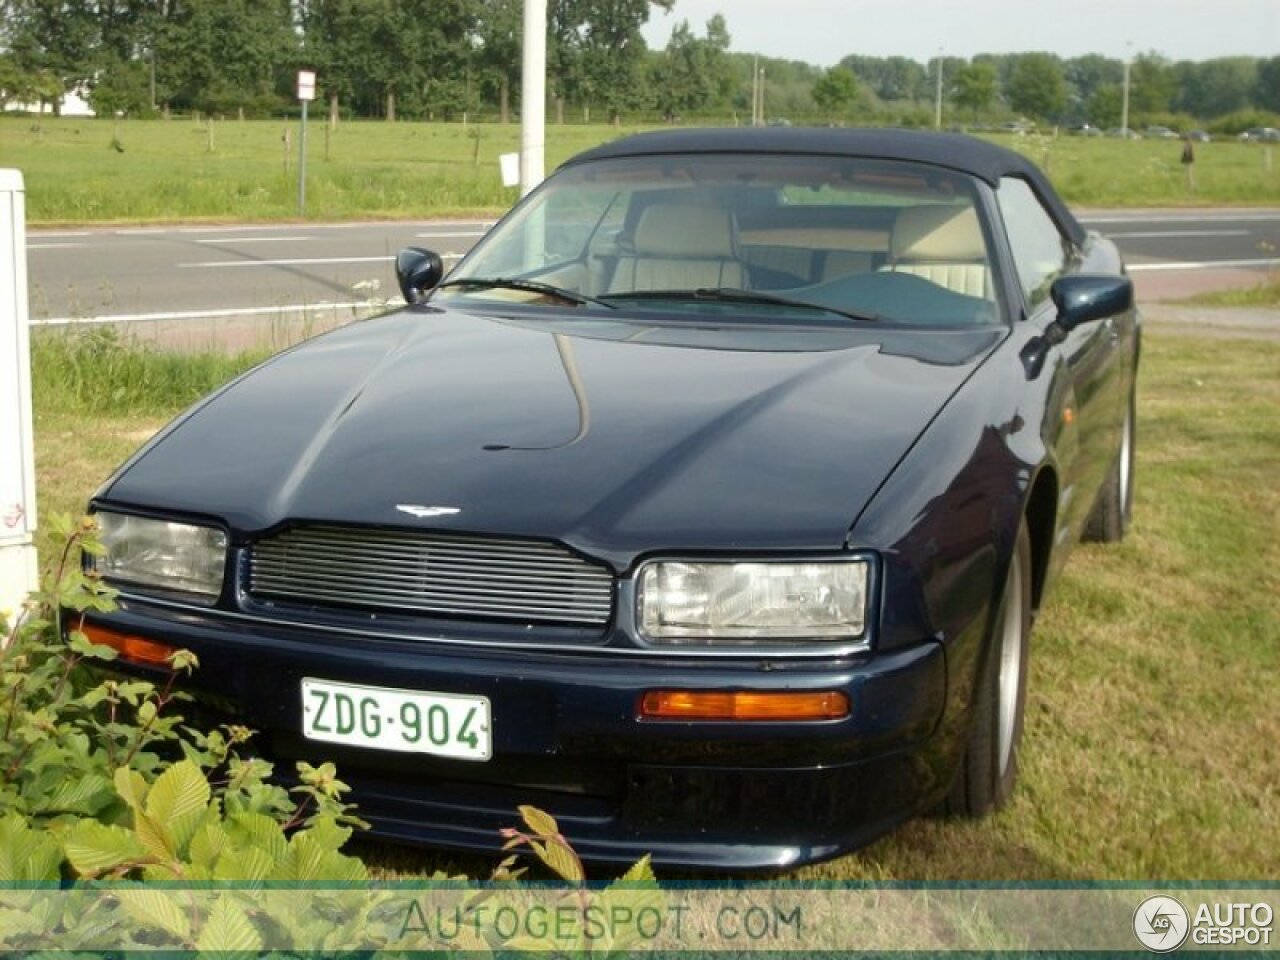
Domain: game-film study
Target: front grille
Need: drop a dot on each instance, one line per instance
(436, 574)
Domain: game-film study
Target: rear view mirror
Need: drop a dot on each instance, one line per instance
(1080, 299)
(418, 271)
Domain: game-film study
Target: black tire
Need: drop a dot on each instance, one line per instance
(1111, 515)
(989, 767)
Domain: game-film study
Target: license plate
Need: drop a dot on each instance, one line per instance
(409, 721)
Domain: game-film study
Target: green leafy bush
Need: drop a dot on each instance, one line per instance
(101, 778)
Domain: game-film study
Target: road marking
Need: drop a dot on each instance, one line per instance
(54, 246)
(1161, 234)
(450, 233)
(225, 312)
(1204, 265)
(53, 234)
(211, 264)
(251, 239)
(1187, 218)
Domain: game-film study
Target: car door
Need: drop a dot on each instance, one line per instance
(1090, 431)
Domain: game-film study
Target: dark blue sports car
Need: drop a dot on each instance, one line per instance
(707, 504)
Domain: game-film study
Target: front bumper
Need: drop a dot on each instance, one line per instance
(567, 738)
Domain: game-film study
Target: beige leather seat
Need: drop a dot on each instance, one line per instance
(679, 248)
(942, 243)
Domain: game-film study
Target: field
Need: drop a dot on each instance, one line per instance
(1152, 744)
(108, 171)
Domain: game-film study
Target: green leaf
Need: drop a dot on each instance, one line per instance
(538, 821)
(27, 855)
(86, 794)
(245, 865)
(81, 644)
(132, 787)
(94, 848)
(178, 800)
(308, 862)
(560, 858)
(228, 930)
(640, 872)
(258, 830)
(154, 837)
(156, 909)
(325, 831)
(207, 845)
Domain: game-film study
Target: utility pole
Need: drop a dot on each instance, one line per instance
(533, 97)
(1124, 109)
(937, 98)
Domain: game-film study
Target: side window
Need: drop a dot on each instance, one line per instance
(1039, 249)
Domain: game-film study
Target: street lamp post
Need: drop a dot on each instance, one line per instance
(937, 99)
(533, 96)
(1124, 108)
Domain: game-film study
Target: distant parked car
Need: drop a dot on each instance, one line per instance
(1161, 133)
(1086, 130)
(1261, 135)
(1199, 136)
(1124, 134)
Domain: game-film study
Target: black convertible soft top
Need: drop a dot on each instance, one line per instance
(955, 151)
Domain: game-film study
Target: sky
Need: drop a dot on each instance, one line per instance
(821, 32)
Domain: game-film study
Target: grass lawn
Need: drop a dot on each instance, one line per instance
(1263, 294)
(1152, 745)
(178, 170)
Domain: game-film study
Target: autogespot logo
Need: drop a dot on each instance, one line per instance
(1161, 923)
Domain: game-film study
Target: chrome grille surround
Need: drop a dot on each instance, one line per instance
(438, 574)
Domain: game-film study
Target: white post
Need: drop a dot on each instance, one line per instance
(533, 97)
(1124, 103)
(937, 101)
(18, 573)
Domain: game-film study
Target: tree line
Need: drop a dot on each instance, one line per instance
(441, 59)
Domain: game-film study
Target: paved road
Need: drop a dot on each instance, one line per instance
(194, 272)
(245, 271)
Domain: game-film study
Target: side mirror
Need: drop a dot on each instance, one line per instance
(418, 271)
(1080, 299)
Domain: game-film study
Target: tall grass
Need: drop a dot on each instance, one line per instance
(370, 169)
(97, 370)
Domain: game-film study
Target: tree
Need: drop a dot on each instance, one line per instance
(1036, 87)
(1266, 93)
(598, 51)
(225, 54)
(1151, 84)
(1105, 107)
(501, 36)
(52, 40)
(694, 73)
(1215, 87)
(975, 87)
(835, 91)
(1087, 74)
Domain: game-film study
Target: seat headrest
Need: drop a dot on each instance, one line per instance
(667, 230)
(937, 232)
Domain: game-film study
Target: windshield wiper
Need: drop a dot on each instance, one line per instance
(736, 295)
(533, 286)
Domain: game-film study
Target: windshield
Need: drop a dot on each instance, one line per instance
(762, 238)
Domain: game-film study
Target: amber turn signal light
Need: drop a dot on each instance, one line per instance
(743, 705)
(131, 648)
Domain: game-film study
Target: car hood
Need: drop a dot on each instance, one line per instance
(614, 436)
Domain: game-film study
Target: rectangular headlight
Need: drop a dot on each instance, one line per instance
(180, 558)
(757, 602)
